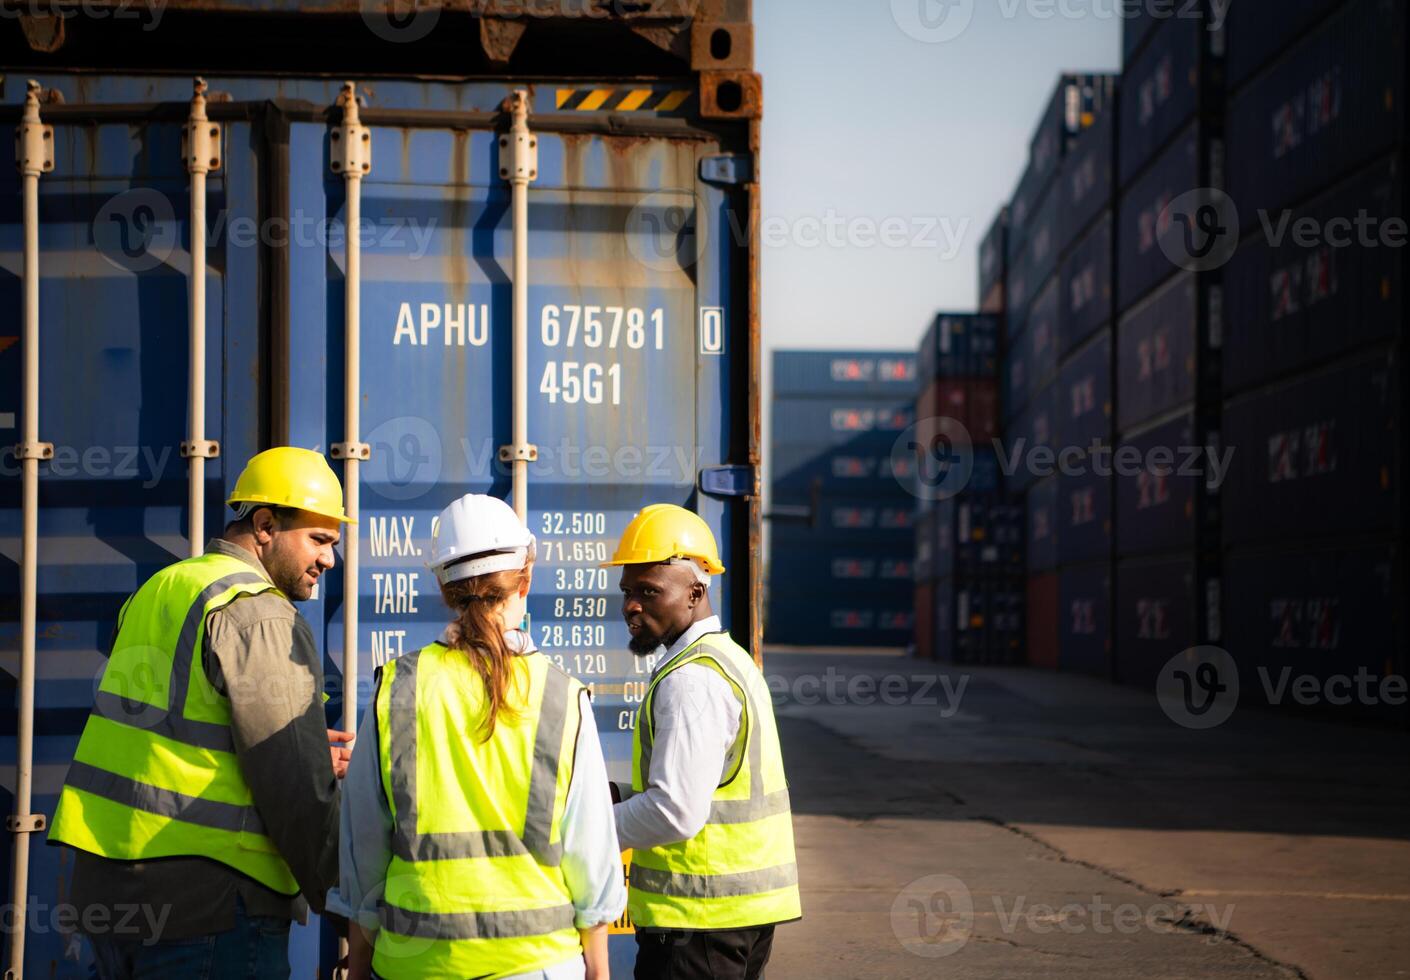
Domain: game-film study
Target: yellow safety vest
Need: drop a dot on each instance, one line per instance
(156, 774)
(740, 870)
(475, 886)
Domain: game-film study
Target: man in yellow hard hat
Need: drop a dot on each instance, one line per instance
(202, 802)
(707, 815)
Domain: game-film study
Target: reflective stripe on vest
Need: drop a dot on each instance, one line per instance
(430, 927)
(148, 780)
(745, 851)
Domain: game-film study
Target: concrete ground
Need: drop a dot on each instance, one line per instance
(1008, 823)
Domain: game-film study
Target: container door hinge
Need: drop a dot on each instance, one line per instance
(204, 448)
(728, 169)
(27, 823)
(34, 141)
(729, 481)
(350, 146)
(34, 450)
(350, 450)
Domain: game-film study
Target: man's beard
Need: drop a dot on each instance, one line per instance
(641, 644)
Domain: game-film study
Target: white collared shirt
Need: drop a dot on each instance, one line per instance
(697, 721)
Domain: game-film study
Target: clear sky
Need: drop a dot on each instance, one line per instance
(867, 126)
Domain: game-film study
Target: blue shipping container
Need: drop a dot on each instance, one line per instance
(1086, 186)
(1297, 303)
(1328, 444)
(1156, 488)
(841, 623)
(1143, 218)
(1042, 337)
(960, 345)
(1086, 290)
(1084, 619)
(1084, 410)
(830, 423)
(1083, 516)
(889, 375)
(1254, 37)
(1042, 519)
(1329, 107)
(1033, 433)
(1156, 344)
(851, 520)
(842, 471)
(993, 264)
(640, 356)
(1157, 616)
(1322, 612)
(1161, 89)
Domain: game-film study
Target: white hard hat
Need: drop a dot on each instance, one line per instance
(477, 524)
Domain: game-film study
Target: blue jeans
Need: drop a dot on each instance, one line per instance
(256, 949)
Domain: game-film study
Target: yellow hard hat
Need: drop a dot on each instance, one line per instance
(664, 531)
(287, 476)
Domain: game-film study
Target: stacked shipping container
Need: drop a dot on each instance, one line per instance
(1049, 213)
(1170, 154)
(840, 571)
(1314, 342)
(969, 549)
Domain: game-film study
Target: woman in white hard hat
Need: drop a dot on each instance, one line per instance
(477, 830)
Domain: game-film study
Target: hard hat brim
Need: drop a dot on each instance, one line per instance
(713, 567)
(338, 516)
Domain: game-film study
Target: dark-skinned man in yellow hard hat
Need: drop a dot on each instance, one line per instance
(707, 815)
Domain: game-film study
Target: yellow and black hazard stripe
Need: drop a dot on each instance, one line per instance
(622, 99)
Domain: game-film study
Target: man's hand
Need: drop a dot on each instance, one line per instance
(340, 753)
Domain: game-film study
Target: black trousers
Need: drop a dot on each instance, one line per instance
(738, 954)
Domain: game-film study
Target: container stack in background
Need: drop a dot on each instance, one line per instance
(968, 540)
(1032, 303)
(1170, 145)
(1082, 514)
(843, 515)
(1314, 510)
